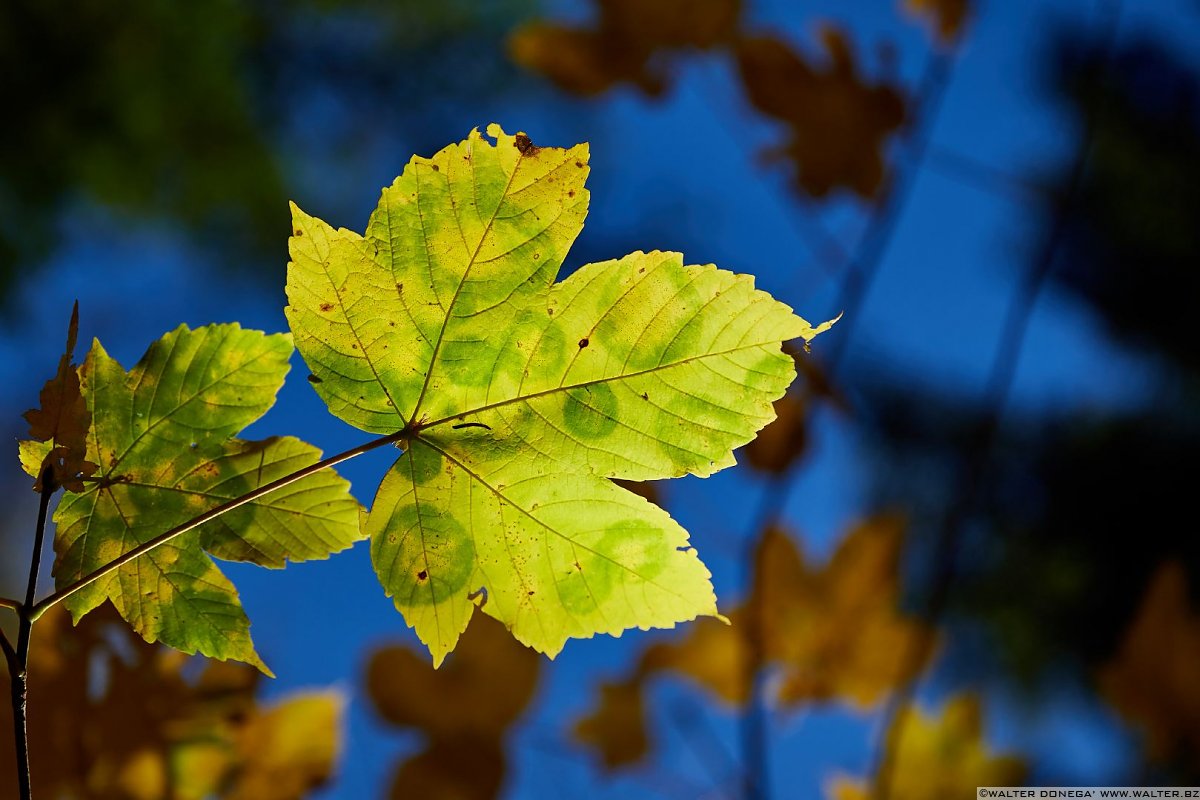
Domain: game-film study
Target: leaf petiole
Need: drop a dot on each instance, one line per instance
(37, 610)
(10, 604)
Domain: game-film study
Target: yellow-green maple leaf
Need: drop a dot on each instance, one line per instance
(520, 398)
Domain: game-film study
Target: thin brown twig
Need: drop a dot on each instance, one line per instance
(10, 655)
(859, 275)
(12, 605)
(19, 662)
(36, 611)
(948, 540)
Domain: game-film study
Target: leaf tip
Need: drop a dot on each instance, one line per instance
(809, 333)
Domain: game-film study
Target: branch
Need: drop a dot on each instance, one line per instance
(18, 661)
(971, 479)
(10, 604)
(10, 655)
(859, 274)
(36, 611)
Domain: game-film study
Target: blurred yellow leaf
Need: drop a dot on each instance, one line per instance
(837, 631)
(464, 707)
(625, 44)
(838, 121)
(1153, 679)
(832, 633)
(938, 757)
(289, 749)
(114, 718)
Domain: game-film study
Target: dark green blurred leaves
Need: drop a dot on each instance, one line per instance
(187, 113)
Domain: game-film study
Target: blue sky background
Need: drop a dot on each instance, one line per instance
(680, 172)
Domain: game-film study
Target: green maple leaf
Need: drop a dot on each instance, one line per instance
(162, 435)
(519, 398)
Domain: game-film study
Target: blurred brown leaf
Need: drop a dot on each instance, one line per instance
(949, 16)
(943, 756)
(463, 768)
(778, 445)
(114, 718)
(838, 121)
(617, 729)
(62, 418)
(1153, 679)
(646, 489)
(829, 634)
(464, 707)
(781, 443)
(626, 44)
(715, 655)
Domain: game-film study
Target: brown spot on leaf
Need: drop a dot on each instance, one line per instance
(326, 306)
(314, 379)
(571, 193)
(525, 145)
(422, 575)
(583, 343)
(436, 168)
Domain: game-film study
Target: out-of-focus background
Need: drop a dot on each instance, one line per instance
(967, 552)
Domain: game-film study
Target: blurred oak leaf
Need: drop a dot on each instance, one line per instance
(627, 43)
(59, 425)
(464, 708)
(838, 121)
(617, 728)
(1152, 679)
(115, 718)
(948, 16)
(938, 756)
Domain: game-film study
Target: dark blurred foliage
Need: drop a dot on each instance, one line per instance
(1078, 513)
(1133, 246)
(187, 112)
